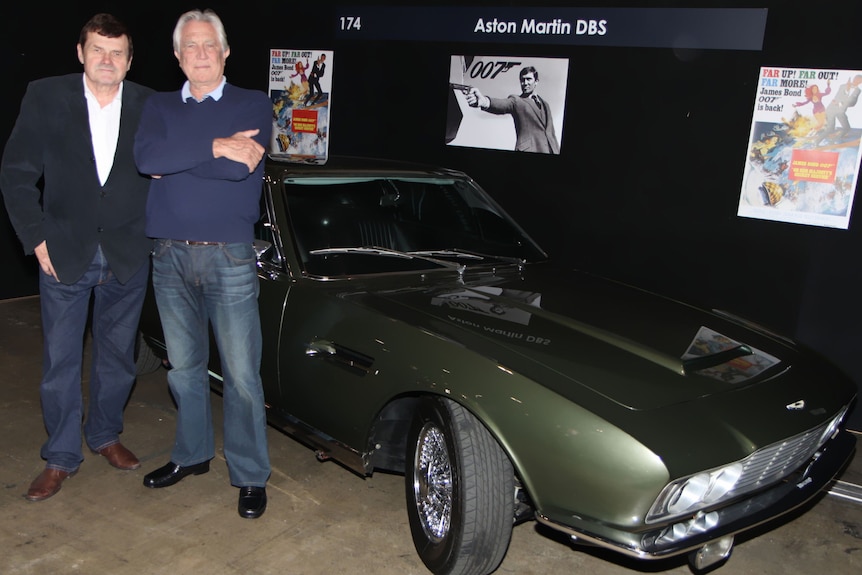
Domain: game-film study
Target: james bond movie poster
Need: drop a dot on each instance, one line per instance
(507, 103)
(802, 161)
(300, 87)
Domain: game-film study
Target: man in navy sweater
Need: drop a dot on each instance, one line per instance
(203, 147)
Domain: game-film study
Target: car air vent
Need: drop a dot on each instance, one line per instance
(700, 362)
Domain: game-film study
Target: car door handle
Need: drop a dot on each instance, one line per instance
(340, 355)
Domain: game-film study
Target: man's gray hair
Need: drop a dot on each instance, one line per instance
(201, 16)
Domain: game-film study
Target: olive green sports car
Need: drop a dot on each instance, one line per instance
(411, 325)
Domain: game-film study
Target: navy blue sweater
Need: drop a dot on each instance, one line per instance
(199, 197)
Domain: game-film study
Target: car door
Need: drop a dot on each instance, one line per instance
(274, 286)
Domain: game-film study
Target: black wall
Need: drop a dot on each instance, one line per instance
(646, 186)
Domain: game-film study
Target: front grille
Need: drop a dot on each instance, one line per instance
(773, 463)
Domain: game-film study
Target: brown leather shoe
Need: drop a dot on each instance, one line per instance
(47, 484)
(120, 457)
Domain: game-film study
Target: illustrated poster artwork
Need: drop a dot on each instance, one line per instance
(300, 87)
(803, 153)
(507, 103)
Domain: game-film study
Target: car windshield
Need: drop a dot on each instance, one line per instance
(436, 220)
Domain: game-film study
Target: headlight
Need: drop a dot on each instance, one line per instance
(689, 495)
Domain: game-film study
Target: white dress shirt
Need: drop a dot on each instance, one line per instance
(104, 129)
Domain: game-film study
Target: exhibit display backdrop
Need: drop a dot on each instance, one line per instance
(650, 106)
(666, 174)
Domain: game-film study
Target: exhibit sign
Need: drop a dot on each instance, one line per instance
(300, 88)
(507, 102)
(677, 28)
(803, 153)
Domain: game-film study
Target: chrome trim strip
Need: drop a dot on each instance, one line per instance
(597, 541)
(845, 490)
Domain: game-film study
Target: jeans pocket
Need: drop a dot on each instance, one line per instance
(239, 253)
(160, 248)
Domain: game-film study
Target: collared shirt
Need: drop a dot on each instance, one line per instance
(104, 129)
(216, 94)
(537, 100)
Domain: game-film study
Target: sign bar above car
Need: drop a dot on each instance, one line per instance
(678, 28)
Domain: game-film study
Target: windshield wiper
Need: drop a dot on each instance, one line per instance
(378, 251)
(445, 253)
(471, 255)
(373, 250)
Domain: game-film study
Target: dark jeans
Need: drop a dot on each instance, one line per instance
(116, 312)
(197, 285)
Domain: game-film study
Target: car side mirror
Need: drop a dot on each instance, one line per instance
(261, 248)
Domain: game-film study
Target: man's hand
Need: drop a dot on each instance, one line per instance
(475, 99)
(240, 148)
(44, 261)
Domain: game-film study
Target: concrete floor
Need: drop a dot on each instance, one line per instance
(321, 519)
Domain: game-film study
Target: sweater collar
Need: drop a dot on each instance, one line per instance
(216, 94)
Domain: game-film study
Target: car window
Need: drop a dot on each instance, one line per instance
(405, 214)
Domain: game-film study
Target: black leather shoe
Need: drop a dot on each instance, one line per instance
(172, 473)
(252, 502)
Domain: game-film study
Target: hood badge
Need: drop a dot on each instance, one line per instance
(796, 405)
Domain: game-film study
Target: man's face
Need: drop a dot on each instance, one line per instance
(106, 60)
(528, 83)
(201, 56)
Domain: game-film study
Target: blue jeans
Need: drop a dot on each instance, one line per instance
(65, 309)
(196, 286)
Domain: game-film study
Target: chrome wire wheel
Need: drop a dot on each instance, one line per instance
(432, 483)
(459, 487)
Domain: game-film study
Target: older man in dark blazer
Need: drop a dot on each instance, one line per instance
(534, 123)
(77, 202)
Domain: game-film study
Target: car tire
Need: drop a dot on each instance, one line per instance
(460, 491)
(146, 360)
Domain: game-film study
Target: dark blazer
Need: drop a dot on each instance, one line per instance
(534, 125)
(51, 187)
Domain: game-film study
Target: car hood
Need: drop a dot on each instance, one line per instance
(574, 332)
